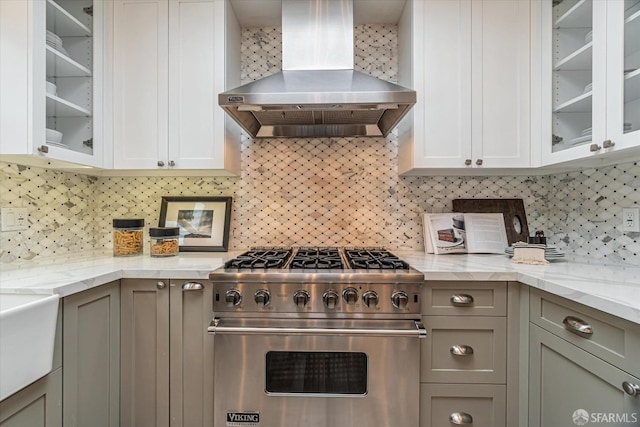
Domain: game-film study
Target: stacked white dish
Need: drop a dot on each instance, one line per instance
(55, 42)
(551, 252)
(53, 136)
(589, 37)
(587, 135)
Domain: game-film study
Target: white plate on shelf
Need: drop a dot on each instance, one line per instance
(581, 140)
(588, 37)
(52, 135)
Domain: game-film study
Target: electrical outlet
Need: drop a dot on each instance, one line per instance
(631, 219)
(14, 219)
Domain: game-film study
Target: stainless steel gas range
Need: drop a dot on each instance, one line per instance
(317, 337)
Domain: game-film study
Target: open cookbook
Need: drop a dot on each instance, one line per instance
(455, 232)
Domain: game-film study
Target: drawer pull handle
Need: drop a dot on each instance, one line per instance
(631, 389)
(192, 286)
(461, 350)
(578, 326)
(461, 418)
(461, 300)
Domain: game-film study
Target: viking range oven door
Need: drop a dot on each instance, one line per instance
(316, 373)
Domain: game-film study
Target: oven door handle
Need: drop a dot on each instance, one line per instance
(216, 327)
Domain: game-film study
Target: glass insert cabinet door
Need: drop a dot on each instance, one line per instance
(623, 73)
(578, 73)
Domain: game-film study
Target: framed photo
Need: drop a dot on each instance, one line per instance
(203, 222)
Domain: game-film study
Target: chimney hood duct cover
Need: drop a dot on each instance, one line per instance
(318, 94)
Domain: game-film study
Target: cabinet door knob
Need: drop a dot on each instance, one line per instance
(461, 300)
(192, 286)
(608, 143)
(578, 326)
(172, 163)
(43, 149)
(467, 162)
(160, 163)
(161, 285)
(631, 389)
(594, 147)
(479, 162)
(460, 418)
(461, 350)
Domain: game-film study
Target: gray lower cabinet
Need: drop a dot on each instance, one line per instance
(166, 354)
(37, 405)
(567, 382)
(91, 357)
(444, 405)
(464, 359)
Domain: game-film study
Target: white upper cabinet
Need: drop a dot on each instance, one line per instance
(469, 62)
(51, 82)
(590, 80)
(170, 60)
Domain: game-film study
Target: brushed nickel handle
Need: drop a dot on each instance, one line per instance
(43, 149)
(578, 326)
(414, 329)
(461, 300)
(460, 418)
(192, 286)
(161, 285)
(631, 389)
(461, 350)
(479, 162)
(608, 143)
(172, 163)
(467, 162)
(594, 147)
(160, 163)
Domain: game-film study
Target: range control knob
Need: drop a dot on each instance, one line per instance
(399, 299)
(262, 297)
(233, 297)
(301, 298)
(350, 296)
(330, 299)
(370, 299)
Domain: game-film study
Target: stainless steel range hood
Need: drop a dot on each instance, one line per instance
(318, 94)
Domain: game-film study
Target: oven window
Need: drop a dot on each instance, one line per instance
(316, 372)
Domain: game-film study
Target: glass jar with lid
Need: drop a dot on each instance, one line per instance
(164, 241)
(127, 237)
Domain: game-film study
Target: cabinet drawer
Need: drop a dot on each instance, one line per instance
(564, 378)
(485, 337)
(485, 404)
(474, 299)
(613, 339)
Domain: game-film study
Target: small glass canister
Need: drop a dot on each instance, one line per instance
(164, 241)
(127, 237)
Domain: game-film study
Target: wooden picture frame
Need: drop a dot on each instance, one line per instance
(203, 222)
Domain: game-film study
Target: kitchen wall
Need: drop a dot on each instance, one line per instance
(342, 191)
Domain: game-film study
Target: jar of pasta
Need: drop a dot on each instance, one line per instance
(127, 237)
(164, 241)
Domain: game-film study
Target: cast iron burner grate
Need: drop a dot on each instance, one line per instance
(374, 259)
(319, 258)
(261, 258)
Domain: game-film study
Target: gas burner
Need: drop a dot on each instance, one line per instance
(318, 258)
(261, 258)
(374, 259)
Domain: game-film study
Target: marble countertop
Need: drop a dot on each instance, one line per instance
(612, 289)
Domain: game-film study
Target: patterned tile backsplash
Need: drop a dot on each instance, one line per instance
(319, 191)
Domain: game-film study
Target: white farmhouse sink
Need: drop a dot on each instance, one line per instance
(27, 334)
